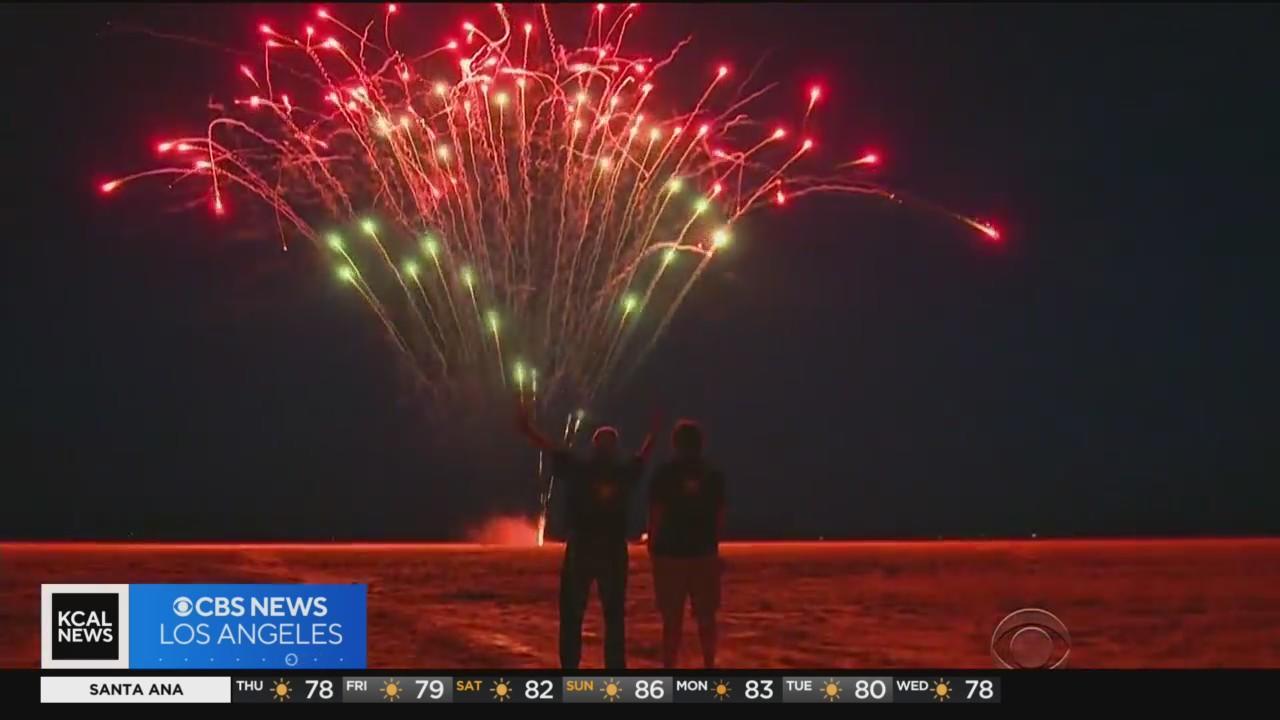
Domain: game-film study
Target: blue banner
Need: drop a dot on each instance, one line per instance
(247, 626)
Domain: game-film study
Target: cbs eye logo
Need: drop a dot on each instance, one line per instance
(1031, 639)
(182, 606)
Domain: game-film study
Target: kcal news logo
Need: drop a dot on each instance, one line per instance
(188, 626)
(84, 626)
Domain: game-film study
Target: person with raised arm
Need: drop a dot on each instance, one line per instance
(598, 489)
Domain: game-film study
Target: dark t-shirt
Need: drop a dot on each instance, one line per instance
(691, 495)
(598, 492)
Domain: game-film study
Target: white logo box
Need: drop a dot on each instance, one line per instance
(135, 689)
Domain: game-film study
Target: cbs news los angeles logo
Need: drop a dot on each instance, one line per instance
(84, 626)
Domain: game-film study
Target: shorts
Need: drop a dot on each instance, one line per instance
(696, 578)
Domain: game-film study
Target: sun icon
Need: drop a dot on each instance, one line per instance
(611, 690)
(501, 690)
(941, 691)
(722, 689)
(831, 692)
(282, 690)
(391, 690)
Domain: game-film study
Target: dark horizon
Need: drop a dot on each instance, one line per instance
(862, 371)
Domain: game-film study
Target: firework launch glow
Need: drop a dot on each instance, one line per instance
(522, 215)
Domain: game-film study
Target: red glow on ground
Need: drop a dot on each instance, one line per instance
(505, 531)
(924, 546)
(1197, 586)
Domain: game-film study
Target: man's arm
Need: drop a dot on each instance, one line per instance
(656, 498)
(525, 425)
(646, 447)
(655, 521)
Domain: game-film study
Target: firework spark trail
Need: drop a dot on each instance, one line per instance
(536, 177)
(432, 249)
(572, 422)
(366, 293)
(622, 334)
(435, 322)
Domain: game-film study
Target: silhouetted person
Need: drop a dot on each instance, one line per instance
(598, 489)
(686, 520)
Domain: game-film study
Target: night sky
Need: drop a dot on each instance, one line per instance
(861, 371)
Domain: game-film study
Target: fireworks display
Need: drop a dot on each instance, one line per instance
(521, 215)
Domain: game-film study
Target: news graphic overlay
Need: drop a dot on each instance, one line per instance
(618, 689)
(505, 689)
(946, 689)
(397, 689)
(837, 689)
(727, 689)
(228, 627)
(290, 688)
(135, 689)
(1031, 639)
(84, 626)
(286, 689)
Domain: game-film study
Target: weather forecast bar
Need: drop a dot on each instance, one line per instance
(551, 689)
(135, 689)
(605, 689)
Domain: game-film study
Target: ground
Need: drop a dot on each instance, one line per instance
(1127, 604)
